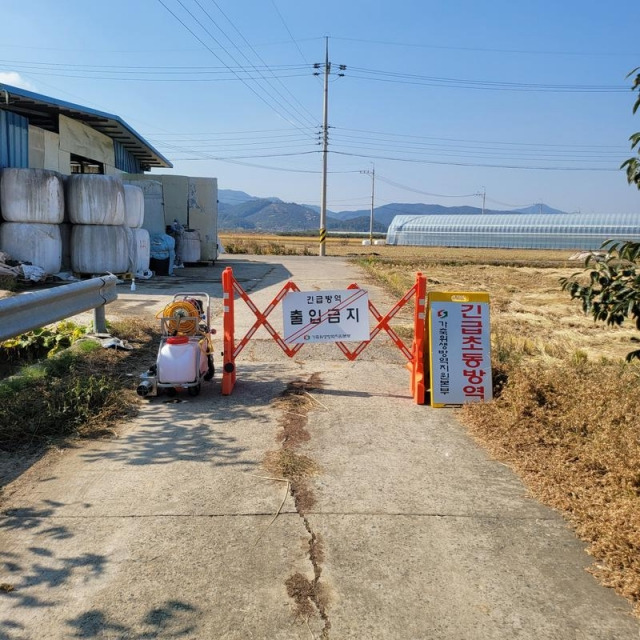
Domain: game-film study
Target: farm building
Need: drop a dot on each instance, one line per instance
(514, 230)
(39, 132)
(74, 195)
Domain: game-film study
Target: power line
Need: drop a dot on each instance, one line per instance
(473, 164)
(224, 133)
(160, 68)
(485, 148)
(492, 50)
(275, 6)
(268, 167)
(486, 85)
(145, 79)
(470, 151)
(313, 120)
(425, 193)
(299, 125)
(471, 141)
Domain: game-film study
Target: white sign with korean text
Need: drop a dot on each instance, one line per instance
(326, 316)
(460, 358)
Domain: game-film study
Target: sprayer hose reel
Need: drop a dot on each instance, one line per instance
(181, 317)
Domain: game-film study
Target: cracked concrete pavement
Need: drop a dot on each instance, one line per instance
(165, 531)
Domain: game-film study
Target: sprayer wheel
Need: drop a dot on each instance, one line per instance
(194, 391)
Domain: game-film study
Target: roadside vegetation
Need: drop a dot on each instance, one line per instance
(57, 383)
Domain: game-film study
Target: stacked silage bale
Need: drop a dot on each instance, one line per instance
(138, 243)
(96, 209)
(32, 208)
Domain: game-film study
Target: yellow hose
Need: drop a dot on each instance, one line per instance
(184, 317)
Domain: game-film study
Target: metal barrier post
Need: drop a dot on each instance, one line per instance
(228, 323)
(99, 320)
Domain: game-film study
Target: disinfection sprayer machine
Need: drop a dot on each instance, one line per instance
(185, 355)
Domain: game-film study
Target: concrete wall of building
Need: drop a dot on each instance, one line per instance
(44, 149)
(79, 139)
(49, 150)
(176, 196)
(202, 214)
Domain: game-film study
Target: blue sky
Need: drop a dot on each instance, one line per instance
(526, 100)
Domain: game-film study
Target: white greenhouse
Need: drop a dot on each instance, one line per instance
(514, 230)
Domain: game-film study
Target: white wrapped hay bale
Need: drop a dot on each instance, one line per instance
(31, 195)
(95, 199)
(133, 206)
(39, 244)
(99, 249)
(139, 248)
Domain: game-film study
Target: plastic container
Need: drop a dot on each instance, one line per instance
(39, 244)
(99, 249)
(191, 246)
(31, 195)
(95, 199)
(178, 361)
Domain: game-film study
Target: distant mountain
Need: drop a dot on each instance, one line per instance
(266, 215)
(349, 215)
(538, 208)
(239, 210)
(233, 197)
(362, 223)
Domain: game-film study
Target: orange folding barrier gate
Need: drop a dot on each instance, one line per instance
(415, 355)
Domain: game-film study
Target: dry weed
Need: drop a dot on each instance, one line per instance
(572, 432)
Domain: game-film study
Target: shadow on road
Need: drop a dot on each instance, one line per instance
(38, 579)
(197, 429)
(173, 619)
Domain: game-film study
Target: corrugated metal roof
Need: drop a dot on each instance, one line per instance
(43, 111)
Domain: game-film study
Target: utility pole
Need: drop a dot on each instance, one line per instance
(325, 144)
(371, 173)
(484, 197)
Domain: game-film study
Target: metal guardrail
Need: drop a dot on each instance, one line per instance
(30, 311)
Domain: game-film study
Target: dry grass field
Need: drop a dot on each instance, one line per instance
(566, 413)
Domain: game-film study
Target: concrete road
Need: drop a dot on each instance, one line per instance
(401, 527)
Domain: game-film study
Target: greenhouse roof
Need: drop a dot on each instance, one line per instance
(517, 230)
